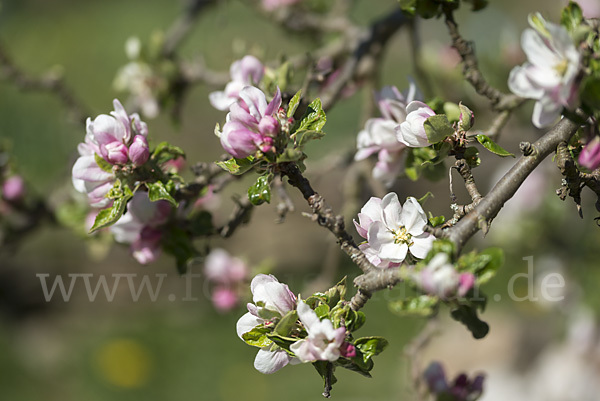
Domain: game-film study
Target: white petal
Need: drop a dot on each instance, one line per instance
(393, 252)
(413, 218)
(520, 85)
(538, 53)
(379, 235)
(372, 209)
(307, 316)
(247, 323)
(268, 362)
(422, 244)
(391, 211)
(220, 101)
(545, 112)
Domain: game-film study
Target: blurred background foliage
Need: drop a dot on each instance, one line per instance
(178, 350)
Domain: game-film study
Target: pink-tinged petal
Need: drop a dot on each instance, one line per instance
(139, 151)
(361, 231)
(224, 299)
(372, 210)
(308, 317)
(145, 252)
(545, 112)
(238, 140)
(246, 323)
(422, 244)
(362, 154)
(412, 217)
(393, 252)
(86, 168)
(273, 107)
(107, 129)
(537, 51)
(303, 350)
(141, 128)
(98, 190)
(127, 229)
(520, 85)
(372, 255)
(417, 105)
(238, 112)
(391, 211)
(388, 167)
(590, 154)
(262, 279)
(249, 70)
(115, 153)
(255, 101)
(121, 115)
(268, 362)
(13, 189)
(220, 100)
(276, 296)
(379, 235)
(253, 309)
(466, 282)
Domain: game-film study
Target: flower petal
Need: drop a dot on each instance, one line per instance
(391, 211)
(247, 323)
(422, 244)
(413, 217)
(268, 362)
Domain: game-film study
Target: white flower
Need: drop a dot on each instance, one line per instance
(412, 132)
(550, 74)
(323, 341)
(245, 72)
(272, 296)
(395, 230)
(440, 278)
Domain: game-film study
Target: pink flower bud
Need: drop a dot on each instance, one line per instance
(347, 350)
(590, 155)
(224, 299)
(115, 153)
(268, 126)
(139, 151)
(13, 188)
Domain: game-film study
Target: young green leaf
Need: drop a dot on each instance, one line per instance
(370, 346)
(103, 164)
(293, 105)
(492, 146)
(260, 192)
(423, 305)
(237, 166)
(571, 16)
(165, 152)
(257, 337)
(285, 325)
(158, 191)
(437, 128)
(109, 216)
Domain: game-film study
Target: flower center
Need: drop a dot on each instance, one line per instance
(561, 67)
(401, 236)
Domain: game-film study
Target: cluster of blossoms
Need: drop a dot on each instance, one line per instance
(460, 389)
(245, 72)
(225, 272)
(317, 339)
(141, 227)
(400, 126)
(392, 230)
(252, 124)
(550, 74)
(116, 141)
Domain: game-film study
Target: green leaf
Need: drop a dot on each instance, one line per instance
(437, 220)
(286, 324)
(437, 128)
(356, 364)
(322, 311)
(590, 92)
(408, 6)
(466, 117)
(471, 156)
(423, 305)
(200, 224)
(257, 337)
(157, 191)
(492, 146)
(177, 242)
(237, 166)
(293, 105)
(314, 118)
(495, 261)
(109, 216)
(427, 8)
(165, 152)
(307, 136)
(290, 155)
(370, 346)
(324, 368)
(260, 192)
(467, 315)
(336, 293)
(103, 164)
(571, 16)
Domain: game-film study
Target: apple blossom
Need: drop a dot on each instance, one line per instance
(251, 123)
(270, 297)
(379, 134)
(323, 342)
(221, 267)
(110, 138)
(412, 132)
(140, 227)
(393, 230)
(550, 74)
(13, 188)
(440, 278)
(224, 299)
(139, 151)
(245, 72)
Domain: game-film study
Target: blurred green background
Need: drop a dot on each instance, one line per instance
(178, 350)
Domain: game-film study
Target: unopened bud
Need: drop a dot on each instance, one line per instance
(139, 151)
